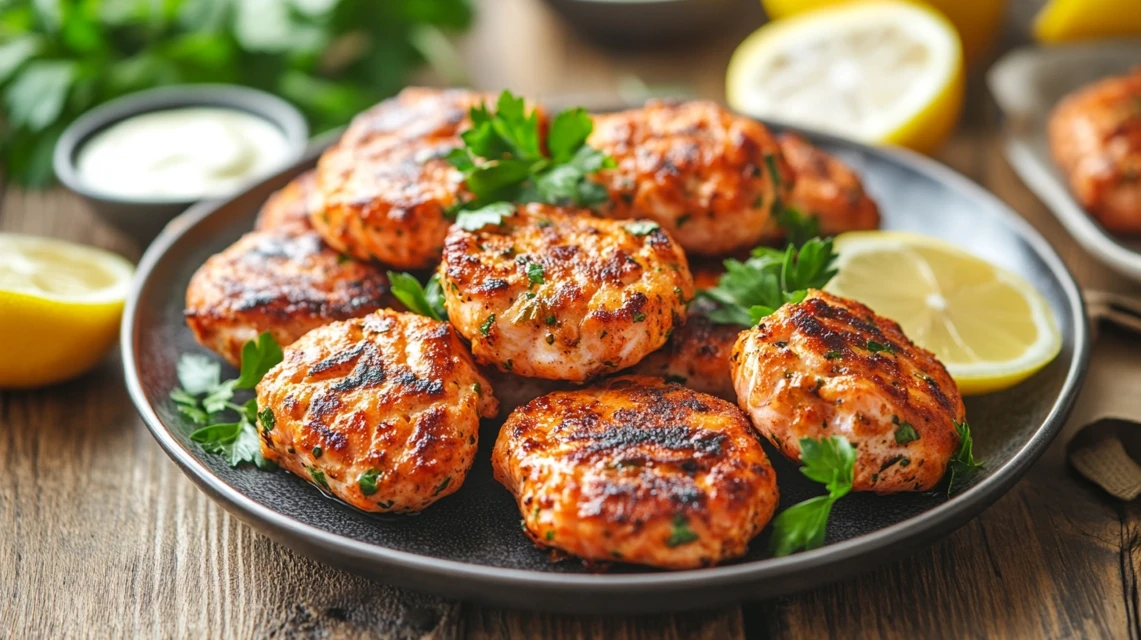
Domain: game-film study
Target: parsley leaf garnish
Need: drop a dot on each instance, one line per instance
(502, 159)
(492, 214)
(367, 481)
(750, 290)
(680, 533)
(876, 347)
(202, 396)
(963, 463)
(535, 273)
(426, 301)
(198, 374)
(904, 431)
(798, 228)
(640, 227)
(258, 357)
(828, 461)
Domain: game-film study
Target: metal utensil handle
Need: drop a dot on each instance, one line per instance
(1123, 311)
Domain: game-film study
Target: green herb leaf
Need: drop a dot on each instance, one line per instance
(567, 184)
(412, 294)
(236, 442)
(749, 291)
(802, 526)
(680, 533)
(202, 397)
(216, 434)
(257, 359)
(492, 214)
(37, 95)
(218, 398)
(367, 481)
(268, 421)
(808, 268)
(963, 463)
(493, 181)
(434, 294)
(568, 133)
(828, 461)
(319, 477)
(876, 347)
(503, 161)
(485, 328)
(15, 53)
(774, 172)
(535, 272)
(181, 396)
(904, 431)
(641, 227)
(798, 228)
(198, 373)
(196, 414)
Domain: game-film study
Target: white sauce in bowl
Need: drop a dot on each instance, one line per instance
(181, 154)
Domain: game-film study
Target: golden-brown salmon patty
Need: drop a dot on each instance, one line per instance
(637, 470)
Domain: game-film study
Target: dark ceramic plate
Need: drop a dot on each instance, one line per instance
(470, 546)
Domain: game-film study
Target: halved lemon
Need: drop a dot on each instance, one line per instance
(60, 306)
(978, 21)
(1069, 20)
(878, 71)
(990, 327)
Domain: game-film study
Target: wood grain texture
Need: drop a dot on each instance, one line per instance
(102, 536)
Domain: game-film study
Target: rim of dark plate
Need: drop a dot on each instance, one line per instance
(950, 514)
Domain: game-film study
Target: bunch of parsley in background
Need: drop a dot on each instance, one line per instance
(332, 58)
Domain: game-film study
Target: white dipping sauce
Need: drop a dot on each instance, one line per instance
(184, 154)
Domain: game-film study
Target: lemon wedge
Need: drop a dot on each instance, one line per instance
(879, 72)
(1069, 20)
(978, 21)
(60, 305)
(991, 328)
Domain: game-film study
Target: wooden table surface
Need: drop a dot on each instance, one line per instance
(102, 536)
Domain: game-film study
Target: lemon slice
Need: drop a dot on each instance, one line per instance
(991, 328)
(878, 72)
(978, 21)
(60, 305)
(1068, 20)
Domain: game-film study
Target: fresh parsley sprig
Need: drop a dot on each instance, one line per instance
(331, 58)
(424, 300)
(503, 160)
(750, 290)
(203, 397)
(798, 228)
(490, 214)
(963, 463)
(828, 461)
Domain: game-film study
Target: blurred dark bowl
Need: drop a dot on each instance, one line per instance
(642, 23)
(143, 218)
